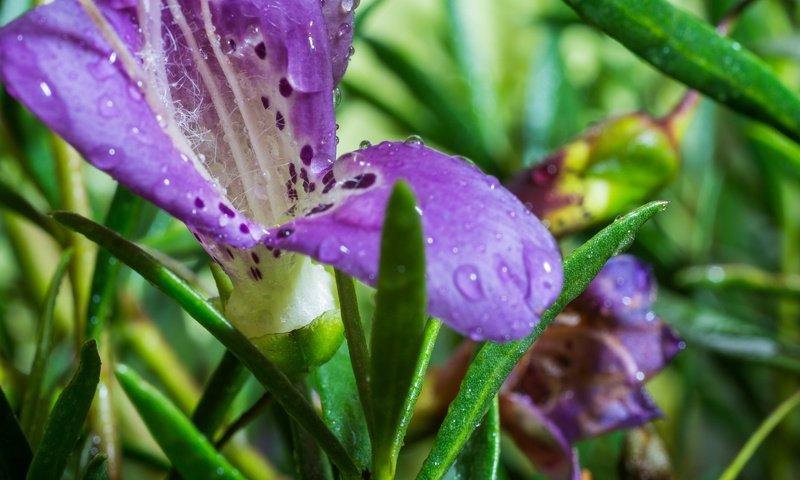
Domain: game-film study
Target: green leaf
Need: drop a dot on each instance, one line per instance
(550, 110)
(691, 51)
(480, 458)
(36, 402)
(15, 453)
(720, 333)
(341, 408)
(201, 310)
(97, 469)
(494, 361)
(122, 217)
(758, 437)
(11, 200)
(398, 325)
(225, 383)
(187, 448)
(746, 277)
(66, 420)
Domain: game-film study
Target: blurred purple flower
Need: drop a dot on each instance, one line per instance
(221, 113)
(583, 377)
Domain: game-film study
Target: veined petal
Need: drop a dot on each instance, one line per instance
(56, 62)
(339, 16)
(492, 268)
(249, 84)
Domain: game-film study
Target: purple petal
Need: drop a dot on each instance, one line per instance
(539, 439)
(492, 268)
(251, 85)
(585, 380)
(339, 16)
(55, 62)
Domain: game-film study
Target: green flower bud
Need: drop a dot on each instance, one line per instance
(614, 166)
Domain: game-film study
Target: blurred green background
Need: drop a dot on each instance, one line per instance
(501, 82)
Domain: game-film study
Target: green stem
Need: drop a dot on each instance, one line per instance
(225, 383)
(73, 196)
(244, 419)
(749, 448)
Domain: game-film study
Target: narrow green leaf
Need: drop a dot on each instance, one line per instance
(67, 418)
(746, 277)
(726, 335)
(480, 458)
(225, 383)
(97, 469)
(691, 51)
(758, 437)
(10, 199)
(35, 401)
(341, 408)
(310, 462)
(398, 325)
(201, 310)
(494, 361)
(358, 353)
(122, 217)
(15, 453)
(549, 115)
(187, 448)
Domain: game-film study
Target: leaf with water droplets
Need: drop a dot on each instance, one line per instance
(689, 50)
(495, 361)
(480, 458)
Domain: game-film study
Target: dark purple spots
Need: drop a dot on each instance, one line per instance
(244, 228)
(328, 177)
(226, 210)
(292, 173)
(261, 50)
(291, 192)
(255, 258)
(311, 187)
(265, 102)
(199, 203)
(329, 186)
(304, 178)
(285, 88)
(229, 253)
(365, 180)
(280, 122)
(256, 273)
(285, 232)
(231, 45)
(306, 154)
(276, 253)
(322, 207)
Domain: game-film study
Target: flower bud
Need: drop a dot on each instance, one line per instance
(614, 166)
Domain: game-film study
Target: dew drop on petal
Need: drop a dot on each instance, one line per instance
(468, 282)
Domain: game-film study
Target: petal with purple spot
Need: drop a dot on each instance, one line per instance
(492, 268)
(56, 62)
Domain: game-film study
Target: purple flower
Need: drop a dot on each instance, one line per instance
(584, 375)
(221, 113)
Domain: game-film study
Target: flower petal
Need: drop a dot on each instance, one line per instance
(492, 268)
(538, 438)
(250, 84)
(339, 15)
(56, 62)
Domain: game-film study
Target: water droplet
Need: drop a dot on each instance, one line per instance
(106, 107)
(104, 157)
(331, 250)
(337, 97)
(46, 89)
(414, 141)
(468, 282)
(364, 144)
(640, 375)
